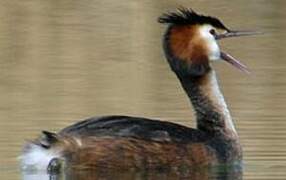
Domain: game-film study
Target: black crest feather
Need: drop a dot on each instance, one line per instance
(185, 16)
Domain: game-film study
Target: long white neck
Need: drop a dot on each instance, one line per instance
(211, 110)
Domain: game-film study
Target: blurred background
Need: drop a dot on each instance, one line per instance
(63, 61)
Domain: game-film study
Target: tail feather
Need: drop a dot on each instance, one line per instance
(48, 139)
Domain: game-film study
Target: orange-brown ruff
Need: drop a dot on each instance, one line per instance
(123, 142)
(186, 43)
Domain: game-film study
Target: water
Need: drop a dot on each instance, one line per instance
(63, 61)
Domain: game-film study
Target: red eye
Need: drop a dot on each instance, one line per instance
(212, 31)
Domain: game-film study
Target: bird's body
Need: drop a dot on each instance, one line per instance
(123, 142)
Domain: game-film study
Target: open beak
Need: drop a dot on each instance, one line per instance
(228, 58)
(230, 33)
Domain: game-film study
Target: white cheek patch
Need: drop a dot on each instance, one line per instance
(211, 43)
(214, 53)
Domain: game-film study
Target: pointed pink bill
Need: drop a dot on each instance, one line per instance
(232, 33)
(228, 58)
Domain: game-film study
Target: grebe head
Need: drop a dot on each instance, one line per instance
(190, 42)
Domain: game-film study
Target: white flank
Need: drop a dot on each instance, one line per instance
(37, 158)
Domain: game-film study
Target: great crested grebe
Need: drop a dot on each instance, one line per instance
(123, 142)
